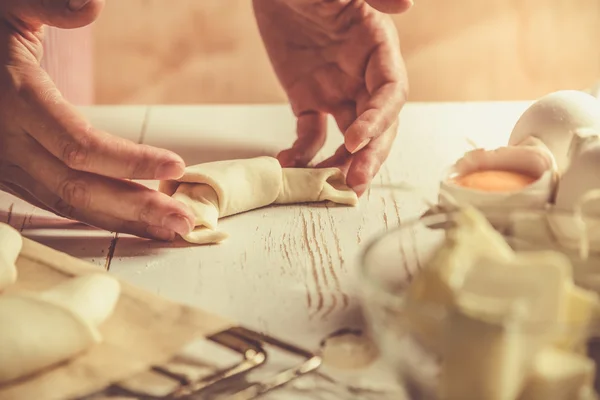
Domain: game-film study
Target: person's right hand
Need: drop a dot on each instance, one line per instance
(53, 158)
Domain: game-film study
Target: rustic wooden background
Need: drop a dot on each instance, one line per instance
(209, 51)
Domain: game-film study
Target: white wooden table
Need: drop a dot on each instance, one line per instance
(287, 271)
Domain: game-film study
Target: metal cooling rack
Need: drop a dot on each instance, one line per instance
(251, 346)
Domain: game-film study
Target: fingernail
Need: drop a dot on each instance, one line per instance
(361, 146)
(76, 5)
(177, 223)
(359, 189)
(161, 233)
(169, 170)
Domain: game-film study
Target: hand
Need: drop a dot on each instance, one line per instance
(338, 57)
(51, 157)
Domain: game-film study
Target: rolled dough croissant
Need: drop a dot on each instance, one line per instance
(39, 330)
(10, 247)
(219, 189)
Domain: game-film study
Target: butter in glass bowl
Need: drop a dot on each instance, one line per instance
(463, 311)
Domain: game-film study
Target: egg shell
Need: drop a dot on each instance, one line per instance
(526, 160)
(558, 119)
(529, 231)
(582, 176)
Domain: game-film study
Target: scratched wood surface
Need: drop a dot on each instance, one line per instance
(286, 270)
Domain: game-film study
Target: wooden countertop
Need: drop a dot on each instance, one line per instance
(288, 270)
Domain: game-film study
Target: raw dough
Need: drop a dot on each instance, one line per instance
(10, 247)
(219, 189)
(39, 330)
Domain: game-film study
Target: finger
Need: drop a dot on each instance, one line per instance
(366, 163)
(312, 131)
(345, 116)
(120, 199)
(66, 14)
(387, 92)
(340, 159)
(108, 223)
(391, 6)
(39, 196)
(23, 195)
(14, 181)
(57, 126)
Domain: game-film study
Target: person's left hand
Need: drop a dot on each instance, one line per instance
(338, 57)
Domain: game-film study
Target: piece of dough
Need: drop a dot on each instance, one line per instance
(11, 243)
(39, 330)
(222, 188)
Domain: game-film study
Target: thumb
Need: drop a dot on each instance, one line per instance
(391, 6)
(64, 14)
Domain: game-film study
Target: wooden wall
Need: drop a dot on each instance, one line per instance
(209, 51)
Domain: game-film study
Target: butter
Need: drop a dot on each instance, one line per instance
(486, 350)
(428, 297)
(582, 309)
(505, 311)
(473, 237)
(559, 375)
(507, 325)
(536, 278)
(434, 288)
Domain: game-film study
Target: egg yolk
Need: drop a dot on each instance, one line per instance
(494, 181)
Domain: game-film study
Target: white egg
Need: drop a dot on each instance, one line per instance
(559, 120)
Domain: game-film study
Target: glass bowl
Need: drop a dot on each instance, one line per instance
(389, 263)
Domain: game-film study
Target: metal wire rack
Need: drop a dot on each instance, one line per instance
(252, 347)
